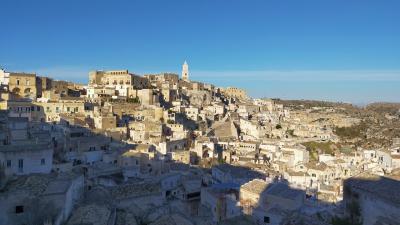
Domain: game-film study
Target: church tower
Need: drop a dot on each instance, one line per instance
(185, 71)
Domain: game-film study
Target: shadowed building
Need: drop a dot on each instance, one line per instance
(372, 199)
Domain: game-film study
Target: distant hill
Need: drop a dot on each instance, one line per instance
(311, 103)
(384, 107)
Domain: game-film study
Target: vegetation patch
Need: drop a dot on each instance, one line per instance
(352, 132)
(316, 148)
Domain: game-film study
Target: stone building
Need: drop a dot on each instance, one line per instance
(234, 92)
(251, 194)
(23, 85)
(26, 151)
(147, 96)
(119, 79)
(372, 199)
(222, 201)
(185, 71)
(159, 79)
(40, 199)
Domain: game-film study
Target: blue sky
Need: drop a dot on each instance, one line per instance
(311, 49)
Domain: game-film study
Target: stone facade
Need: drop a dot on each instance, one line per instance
(23, 85)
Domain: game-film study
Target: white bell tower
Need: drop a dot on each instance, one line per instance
(185, 71)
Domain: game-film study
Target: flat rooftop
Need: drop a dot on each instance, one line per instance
(284, 191)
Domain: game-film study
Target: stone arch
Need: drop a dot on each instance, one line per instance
(16, 91)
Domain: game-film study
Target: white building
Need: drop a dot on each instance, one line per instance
(4, 77)
(192, 113)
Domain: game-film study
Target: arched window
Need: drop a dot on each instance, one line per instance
(16, 91)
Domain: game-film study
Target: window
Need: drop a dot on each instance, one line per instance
(68, 109)
(21, 165)
(37, 108)
(8, 163)
(43, 161)
(266, 219)
(19, 209)
(27, 82)
(17, 82)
